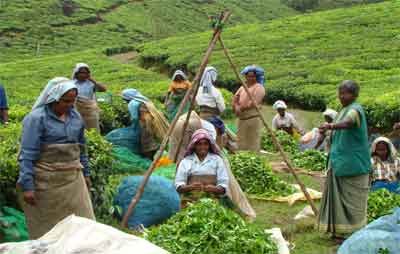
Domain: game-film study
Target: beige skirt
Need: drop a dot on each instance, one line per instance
(89, 112)
(249, 131)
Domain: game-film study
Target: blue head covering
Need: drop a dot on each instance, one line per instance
(258, 70)
(53, 91)
(208, 78)
(218, 123)
(135, 99)
(133, 94)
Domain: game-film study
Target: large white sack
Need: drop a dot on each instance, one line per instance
(80, 235)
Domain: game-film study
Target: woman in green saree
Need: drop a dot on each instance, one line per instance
(344, 202)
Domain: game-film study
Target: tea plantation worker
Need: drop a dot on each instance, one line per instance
(202, 170)
(152, 124)
(284, 120)
(249, 123)
(54, 168)
(3, 106)
(316, 138)
(385, 166)
(209, 98)
(195, 123)
(176, 92)
(260, 77)
(344, 202)
(86, 103)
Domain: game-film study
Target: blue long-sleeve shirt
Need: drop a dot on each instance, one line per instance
(41, 127)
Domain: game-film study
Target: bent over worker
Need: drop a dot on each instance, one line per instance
(86, 102)
(53, 163)
(249, 122)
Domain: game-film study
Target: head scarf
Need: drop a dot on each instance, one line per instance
(208, 79)
(185, 84)
(392, 149)
(79, 66)
(279, 104)
(258, 70)
(331, 113)
(53, 91)
(179, 73)
(133, 94)
(218, 123)
(196, 137)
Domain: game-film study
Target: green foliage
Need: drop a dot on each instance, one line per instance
(207, 227)
(380, 203)
(311, 159)
(9, 169)
(306, 57)
(255, 175)
(60, 26)
(101, 167)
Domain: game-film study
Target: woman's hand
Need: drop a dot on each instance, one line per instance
(196, 187)
(29, 197)
(326, 126)
(214, 189)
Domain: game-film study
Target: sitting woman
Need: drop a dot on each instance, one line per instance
(385, 166)
(285, 120)
(202, 172)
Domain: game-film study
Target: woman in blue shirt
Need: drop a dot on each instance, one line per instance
(86, 102)
(53, 163)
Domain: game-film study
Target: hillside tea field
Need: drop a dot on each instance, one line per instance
(44, 27)
(305, 57)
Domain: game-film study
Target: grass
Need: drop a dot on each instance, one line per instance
(306, 56)
(301, 234)
(43, 27)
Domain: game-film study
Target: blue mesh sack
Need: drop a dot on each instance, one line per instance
(128, 137)
(128, 162)
(159, 200)
(381, 234)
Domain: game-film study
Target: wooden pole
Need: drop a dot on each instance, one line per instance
(163, 145)
(217, 32)
(274, 139)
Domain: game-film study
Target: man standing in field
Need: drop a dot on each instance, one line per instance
(3, 106)
(249, 122)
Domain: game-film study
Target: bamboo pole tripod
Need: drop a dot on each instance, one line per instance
(191, 95)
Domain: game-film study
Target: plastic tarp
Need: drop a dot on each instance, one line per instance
(383, 233)
(80, 235)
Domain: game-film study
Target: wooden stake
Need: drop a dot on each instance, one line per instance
(163, 145)
(274, 139)
(223, 18)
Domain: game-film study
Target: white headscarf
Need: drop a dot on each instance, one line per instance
(78, 66)
(53, 91)
(331, 113)
(133, 94)
(180, 73)
(279, 104)
(208, 78)
(392, 152)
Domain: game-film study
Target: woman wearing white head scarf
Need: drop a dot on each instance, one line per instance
(284, 120)
(86, 103)
(53, 164)
(385, 166)
(209, 98)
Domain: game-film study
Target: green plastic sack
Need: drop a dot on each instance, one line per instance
(166, 171)
(129, 162)
(12, 225)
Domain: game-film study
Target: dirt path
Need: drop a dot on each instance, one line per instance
(125, 58)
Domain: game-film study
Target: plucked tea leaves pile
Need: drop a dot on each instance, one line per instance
(207, 227)
(381, 202)
(255, 176)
